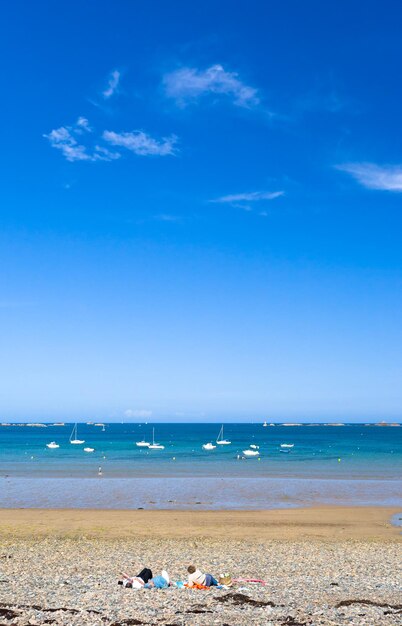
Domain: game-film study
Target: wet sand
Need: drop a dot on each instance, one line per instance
(323, 522)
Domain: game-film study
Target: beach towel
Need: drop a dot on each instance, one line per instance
(250, 580)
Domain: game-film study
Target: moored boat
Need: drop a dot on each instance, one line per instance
(251, 452)
(221, 441)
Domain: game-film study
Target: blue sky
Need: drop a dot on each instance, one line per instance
(201, 210)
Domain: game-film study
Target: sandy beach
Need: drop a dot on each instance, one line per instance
(324, 522)
(322, 565)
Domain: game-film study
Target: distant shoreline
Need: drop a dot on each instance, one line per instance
(215, 422)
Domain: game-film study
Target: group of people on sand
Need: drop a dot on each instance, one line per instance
(146, 580)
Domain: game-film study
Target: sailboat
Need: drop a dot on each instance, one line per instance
(155, 446)
(142, 444)
(265, 424)
(221, 441)
(52, 445)
(73, 436)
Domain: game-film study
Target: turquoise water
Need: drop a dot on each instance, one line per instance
(364, 452)
(348, 464)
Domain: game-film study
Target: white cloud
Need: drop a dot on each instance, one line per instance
(372, 176)
(103, 154)
(245, 200)
(140, 143)
(253, 196)
(70, 141)
(64, 139)
(82, 123)
(112, 85)
(188, 83)
(143, 413)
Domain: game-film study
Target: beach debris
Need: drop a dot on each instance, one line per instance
(241, 599)
(382, 605)
(8, 613)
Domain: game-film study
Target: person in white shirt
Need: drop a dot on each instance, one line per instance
(196, 577)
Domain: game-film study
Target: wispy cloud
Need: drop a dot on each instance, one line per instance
(142, 413)
(246, 200)
(62, 138)
(82, 125)
(103, 154)
(166, 217)
(252, 196)
(187, 84)
(372, 176)
(65, 140)
(70, 141)
(141, 143)
(112, 85)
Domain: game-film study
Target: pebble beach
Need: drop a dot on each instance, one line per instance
(64, 569)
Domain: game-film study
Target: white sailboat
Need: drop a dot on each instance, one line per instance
(52, 445)
(74, 438)
(221, 441)
(208, 446)
(142, 444)
(155, 446)
(265, 424)
(251, 452)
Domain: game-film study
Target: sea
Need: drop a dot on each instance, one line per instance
(350, 464)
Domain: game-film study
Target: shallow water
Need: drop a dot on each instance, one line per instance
(351, 464)
(194, 493)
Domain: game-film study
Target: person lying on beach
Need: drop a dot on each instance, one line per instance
(136, 582)
(159, 582)
(145, 580)
(196, 577)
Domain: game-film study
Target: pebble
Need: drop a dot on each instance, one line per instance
(73, 582)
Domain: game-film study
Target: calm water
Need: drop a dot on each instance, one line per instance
(349, 464)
